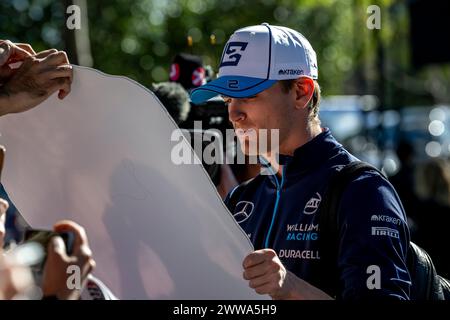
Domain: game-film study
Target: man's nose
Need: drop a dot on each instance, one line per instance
(235, 110)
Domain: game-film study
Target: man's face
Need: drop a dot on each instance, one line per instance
(270, 109)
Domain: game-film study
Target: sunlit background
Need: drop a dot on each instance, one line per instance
(377, 89)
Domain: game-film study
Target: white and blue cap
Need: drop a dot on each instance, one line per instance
(256, 57)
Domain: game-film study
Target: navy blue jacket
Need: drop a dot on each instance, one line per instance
(281, 213)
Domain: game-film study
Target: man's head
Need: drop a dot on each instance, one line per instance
(268, 77)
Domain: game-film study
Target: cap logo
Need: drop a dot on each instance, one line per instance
(286, 72)
(230, 56)
(233, 84)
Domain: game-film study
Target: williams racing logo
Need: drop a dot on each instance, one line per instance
(313, 204)
(243, 210)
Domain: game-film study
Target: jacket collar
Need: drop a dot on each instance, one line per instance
(308, 156)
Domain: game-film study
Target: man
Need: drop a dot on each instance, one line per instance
(268, 76)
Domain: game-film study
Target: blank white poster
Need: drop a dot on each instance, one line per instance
(102, 157)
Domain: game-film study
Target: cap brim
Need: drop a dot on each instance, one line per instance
(230, 86)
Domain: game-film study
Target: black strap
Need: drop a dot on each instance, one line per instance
(427, 285)
(329, 223)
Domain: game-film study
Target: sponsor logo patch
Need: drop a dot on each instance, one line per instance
(384, 231)
(243, 210)
(302, 236)
(302, 227)
(290, 72)
(384, 218)
(313, 204)
(299, 254)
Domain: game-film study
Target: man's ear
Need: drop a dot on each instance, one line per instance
(304, 89)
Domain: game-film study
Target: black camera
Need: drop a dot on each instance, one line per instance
(213, 114)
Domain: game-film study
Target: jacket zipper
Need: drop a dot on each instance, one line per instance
(275, 209)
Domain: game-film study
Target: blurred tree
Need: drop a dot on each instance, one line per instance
(76, 33)
(139, 39)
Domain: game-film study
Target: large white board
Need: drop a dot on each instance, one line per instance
(102, 158)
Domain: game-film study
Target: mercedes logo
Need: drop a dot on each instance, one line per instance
(243, 210)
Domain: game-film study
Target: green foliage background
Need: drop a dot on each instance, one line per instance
(139, 38)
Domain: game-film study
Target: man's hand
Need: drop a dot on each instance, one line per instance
(55, 270)
(267, 275)
(38, 77)
(265, 272)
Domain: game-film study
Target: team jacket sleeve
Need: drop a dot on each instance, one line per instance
(374, 239)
